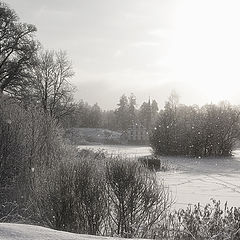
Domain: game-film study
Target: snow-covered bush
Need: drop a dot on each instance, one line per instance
(136, 201)
(196, 222)
(71, 196)
(91, 193)
(29, 142)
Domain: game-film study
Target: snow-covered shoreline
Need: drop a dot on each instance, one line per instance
(192, 180)
(12, 231)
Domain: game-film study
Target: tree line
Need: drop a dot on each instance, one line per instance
(120, 119)
(33, 75)
(178, 129)
(210, 130)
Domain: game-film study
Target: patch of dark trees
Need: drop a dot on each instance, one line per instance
(153, 163)
(211, 130)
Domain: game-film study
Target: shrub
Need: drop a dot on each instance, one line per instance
(29, 142)
(208, 222)
(136, 201)
(89, 193)
(53, 197)
(71, 196)
(154, 163)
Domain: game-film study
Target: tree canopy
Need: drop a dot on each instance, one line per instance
(17, 49)
(50, 85)
(211, 130)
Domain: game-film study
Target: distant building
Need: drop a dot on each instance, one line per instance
(136, 134)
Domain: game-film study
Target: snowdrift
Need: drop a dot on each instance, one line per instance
(10, 231)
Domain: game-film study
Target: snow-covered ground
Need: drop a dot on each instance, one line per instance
(9, 231)
(199, 180)
(191, 180)
(125, 150)
(194, 180)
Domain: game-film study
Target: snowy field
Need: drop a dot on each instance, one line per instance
(9, 231)
(193, 180)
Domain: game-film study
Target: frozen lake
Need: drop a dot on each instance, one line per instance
(193, 180)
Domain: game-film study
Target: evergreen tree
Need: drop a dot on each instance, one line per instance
(132, 109)
(122, 113)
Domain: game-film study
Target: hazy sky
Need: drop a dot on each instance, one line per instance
(148, 47)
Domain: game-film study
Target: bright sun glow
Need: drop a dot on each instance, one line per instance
(206, 47)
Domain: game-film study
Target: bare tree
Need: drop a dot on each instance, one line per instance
(137, 202)
(50, 81)
(17, 48)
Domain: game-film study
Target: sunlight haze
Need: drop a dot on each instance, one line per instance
(144, 47)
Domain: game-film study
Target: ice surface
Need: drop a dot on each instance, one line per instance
(199, 180)
(194, 180)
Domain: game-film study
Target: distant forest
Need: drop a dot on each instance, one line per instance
(124, 116)
(177, 129)
(37, 79)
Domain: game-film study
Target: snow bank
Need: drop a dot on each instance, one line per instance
(10, 231)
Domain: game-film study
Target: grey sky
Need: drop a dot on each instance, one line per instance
(147, 47)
